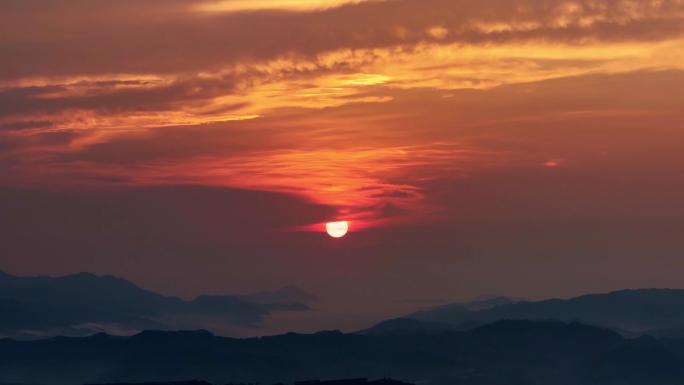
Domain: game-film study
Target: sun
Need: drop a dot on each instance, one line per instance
(337, 229)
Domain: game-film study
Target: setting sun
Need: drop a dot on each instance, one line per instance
(337, 229)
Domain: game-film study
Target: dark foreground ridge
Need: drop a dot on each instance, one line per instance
(161, 383)
(502, 353)
(354, 381)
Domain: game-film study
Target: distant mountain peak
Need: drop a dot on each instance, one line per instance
(631, 310)
(85, 303)
(488, 302)
(5, 275)
(407, 326)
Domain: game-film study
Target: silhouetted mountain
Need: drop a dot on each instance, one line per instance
(502, 353)
(163, 383)
(629, 310)
(400, 326)
(82, 303)
(356, 381)
(486, 302)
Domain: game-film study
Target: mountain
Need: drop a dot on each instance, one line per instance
(163, 383)
(502, 353)
(484, 303)
(355, 381)
(413, 325)
(629, 310)
(407, 326)
(84, 303)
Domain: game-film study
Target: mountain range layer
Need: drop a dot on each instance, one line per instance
(83, 304)
(502, 353)
(658, 312)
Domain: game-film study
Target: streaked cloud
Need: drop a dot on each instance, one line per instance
(358, 105)
(168, 36)
(250, 5)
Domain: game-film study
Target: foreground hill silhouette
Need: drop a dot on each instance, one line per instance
(84, 303)
(505, 352)
(355, 381)
(644, 311)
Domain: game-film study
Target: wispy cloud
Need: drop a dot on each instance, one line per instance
(320, 99)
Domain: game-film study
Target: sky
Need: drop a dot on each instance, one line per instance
(529, 148)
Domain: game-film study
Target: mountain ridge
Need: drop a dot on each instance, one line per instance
(632, 310)
(85, 303)
(500, 353)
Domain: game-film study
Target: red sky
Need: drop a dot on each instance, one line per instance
(526, 147)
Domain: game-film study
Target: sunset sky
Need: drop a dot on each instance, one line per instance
(530, 148)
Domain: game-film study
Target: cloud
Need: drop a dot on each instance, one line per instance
(114, 96)
(25, 125)
(387, 166)
(169, 37)
(129, 66)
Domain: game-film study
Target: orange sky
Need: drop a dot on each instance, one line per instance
(392, 114)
